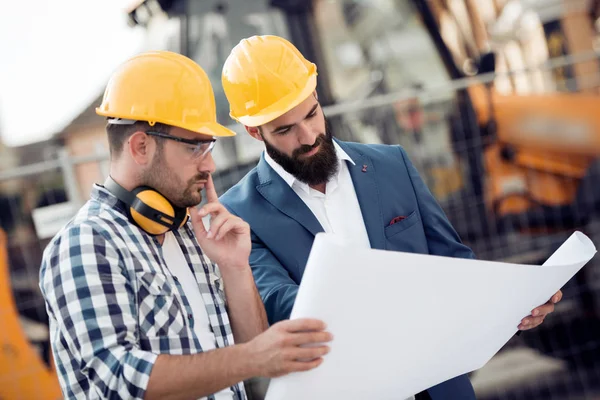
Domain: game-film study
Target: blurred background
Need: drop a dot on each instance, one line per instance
(496, 101)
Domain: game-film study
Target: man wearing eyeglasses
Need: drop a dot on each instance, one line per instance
(138, 307)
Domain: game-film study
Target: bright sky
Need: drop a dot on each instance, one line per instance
(55, 58)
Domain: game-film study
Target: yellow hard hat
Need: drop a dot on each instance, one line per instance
(164, 87)
(264, 77)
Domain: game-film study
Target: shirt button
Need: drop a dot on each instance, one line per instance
(190, 317)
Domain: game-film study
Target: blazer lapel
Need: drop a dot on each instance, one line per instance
(363, 176)
(277, 192)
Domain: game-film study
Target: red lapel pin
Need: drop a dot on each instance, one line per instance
(364, 168)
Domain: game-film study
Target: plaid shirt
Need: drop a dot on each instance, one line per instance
(114, 306)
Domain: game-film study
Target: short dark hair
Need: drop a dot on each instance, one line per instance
(118, 134)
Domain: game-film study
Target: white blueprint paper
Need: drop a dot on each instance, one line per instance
(405, 322)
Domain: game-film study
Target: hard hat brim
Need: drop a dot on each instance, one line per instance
(207, 128)
(214, 129)
(280, 107)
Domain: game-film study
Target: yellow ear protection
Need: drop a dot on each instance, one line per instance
(149, 209)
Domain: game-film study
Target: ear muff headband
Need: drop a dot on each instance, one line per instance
(149, 209)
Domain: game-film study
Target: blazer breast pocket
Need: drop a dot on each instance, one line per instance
(402, 225)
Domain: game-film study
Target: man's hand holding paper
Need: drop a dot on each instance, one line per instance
(537, 316)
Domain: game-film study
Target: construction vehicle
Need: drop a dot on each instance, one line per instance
(541, 156)
(531, 159)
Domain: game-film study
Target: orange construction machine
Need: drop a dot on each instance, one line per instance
(541, 155)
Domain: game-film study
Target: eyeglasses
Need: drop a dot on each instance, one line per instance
(200, 147)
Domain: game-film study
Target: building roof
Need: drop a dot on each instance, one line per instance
(86, 118)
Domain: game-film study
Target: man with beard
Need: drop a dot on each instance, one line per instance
(370, 196)
(137, 306)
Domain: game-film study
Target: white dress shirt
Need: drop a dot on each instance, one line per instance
(337, 210)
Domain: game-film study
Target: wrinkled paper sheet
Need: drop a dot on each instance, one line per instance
(405, 322)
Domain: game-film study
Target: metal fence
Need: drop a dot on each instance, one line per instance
(440, 130)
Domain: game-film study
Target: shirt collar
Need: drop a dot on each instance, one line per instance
(290, 179)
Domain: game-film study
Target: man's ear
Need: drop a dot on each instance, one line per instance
(140, 147)
(316, 95)
(254, 131)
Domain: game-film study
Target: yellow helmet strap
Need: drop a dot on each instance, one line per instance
(152, 220)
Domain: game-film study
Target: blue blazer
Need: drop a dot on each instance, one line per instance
(283, 227)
